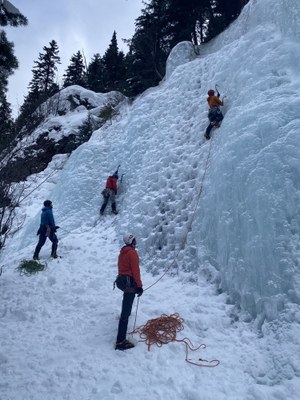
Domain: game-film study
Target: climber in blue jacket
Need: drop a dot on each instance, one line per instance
(46, 230)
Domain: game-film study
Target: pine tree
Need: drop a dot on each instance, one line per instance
(114, 68)
(8, 62)
(9, 15)
(75, 73)
(44, 72)
(163, 24)
(184, 20)
(6, 123)
(148, 48)
(42, 86)
(95, 73)
(228, 11)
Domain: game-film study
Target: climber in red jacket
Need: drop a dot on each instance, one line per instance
(110, 192)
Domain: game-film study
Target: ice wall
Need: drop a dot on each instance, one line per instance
(243, 230)
(252, 192)
(247, 220)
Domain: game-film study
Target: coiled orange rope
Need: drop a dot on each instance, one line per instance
(163, 330)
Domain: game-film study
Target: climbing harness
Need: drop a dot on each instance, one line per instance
(163, 330)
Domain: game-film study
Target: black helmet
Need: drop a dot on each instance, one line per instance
(116, 175)
(47, 203)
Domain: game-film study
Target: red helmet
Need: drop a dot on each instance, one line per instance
(211, 92)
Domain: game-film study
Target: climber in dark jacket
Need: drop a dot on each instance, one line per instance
(110, 192)
(215, 115)
(46, 230)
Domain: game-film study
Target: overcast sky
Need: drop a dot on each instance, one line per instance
(75, 25)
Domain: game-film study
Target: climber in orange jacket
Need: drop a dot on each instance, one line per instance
(215, 115)
(129, 281)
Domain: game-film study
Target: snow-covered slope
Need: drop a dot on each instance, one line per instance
(58, 126)
(222, 214)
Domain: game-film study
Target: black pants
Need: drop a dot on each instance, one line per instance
(213, 120)
(105, 202)
(208, 129)
(42, 240)
(127, 302)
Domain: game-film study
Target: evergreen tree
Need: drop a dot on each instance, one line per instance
(6, 123)
(184, 20)
(75, 73)
(8, 62)
(114, 67)
(44, 72)
(42, 86)
(163, 24)
(219, 15)
(148, 48)
(95, 73)
(227, 11)
(9, 15)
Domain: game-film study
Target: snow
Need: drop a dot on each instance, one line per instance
(222, 216)
(182, 53)
(65, 113)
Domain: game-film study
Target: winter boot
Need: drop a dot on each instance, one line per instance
(36, 257)
(53, 251)
(113, 208)
(125, 345)
(104, 205)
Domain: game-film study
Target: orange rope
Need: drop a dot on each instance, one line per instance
(163, 330)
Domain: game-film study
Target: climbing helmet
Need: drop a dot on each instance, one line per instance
(128, 238)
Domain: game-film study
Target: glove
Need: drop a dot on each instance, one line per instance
(139, 291)
(57, 227)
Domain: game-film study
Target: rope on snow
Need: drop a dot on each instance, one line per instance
(163, 330)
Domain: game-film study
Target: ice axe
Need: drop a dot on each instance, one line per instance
(117, 170)
(216, 87)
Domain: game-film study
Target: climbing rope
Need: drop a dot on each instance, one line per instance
(163, 330)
